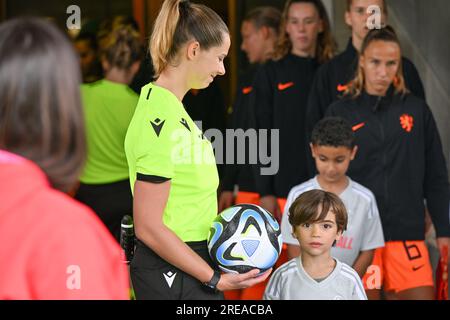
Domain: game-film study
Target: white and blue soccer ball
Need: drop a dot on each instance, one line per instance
(245, 237)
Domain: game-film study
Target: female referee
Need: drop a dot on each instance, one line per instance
(172, 166)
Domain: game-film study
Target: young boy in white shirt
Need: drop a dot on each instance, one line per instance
(318, 218)
(333, 148)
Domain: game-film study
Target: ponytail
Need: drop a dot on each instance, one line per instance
(163, 34)
(178, 22)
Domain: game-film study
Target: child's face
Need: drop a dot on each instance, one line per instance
(331, 162)
(317, 238)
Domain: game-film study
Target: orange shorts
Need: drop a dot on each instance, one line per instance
(253, 198)
(399, 266)
(257, 291)
(247, 197)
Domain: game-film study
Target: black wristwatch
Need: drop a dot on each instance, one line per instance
(212, 284)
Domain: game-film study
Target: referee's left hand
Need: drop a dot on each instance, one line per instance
(232, 281)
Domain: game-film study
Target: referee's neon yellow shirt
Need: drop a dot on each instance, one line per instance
(163, 141)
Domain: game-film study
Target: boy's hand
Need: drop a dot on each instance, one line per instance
(225, 200)
(442, 269)
(270, 203)
(441, 243)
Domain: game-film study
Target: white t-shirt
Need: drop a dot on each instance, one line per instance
(291, 282)
(364, 231)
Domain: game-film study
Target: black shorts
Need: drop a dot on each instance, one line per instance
(109, 201)
(154, 278)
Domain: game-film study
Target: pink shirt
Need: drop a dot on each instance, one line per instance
(52, 247)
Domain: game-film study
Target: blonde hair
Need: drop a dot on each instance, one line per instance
(356, 86)
(178, 22)
(326, 45)
(121, 46)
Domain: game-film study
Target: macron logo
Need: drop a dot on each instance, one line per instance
(170, 277)
(157, 126)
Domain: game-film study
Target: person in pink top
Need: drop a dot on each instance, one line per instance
(52, 247)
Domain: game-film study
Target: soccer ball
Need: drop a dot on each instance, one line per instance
(244, 237)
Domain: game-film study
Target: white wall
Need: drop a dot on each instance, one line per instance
(423, 27)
